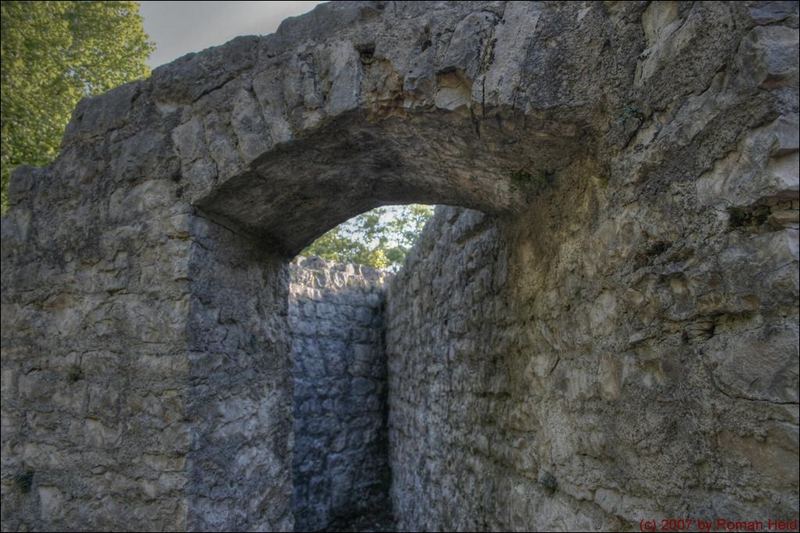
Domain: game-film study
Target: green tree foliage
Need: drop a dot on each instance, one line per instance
(53, 54)
(380, 238)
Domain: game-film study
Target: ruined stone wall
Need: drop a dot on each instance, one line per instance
(146, 371)
(340, 466)
(94, 370)
(620, 343)
(588, 366)
(445, 326)
(239, 389)
(626, 346)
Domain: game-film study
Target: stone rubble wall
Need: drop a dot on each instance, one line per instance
(93, 359)
(340, 466)
(239, 387)
(591, 367)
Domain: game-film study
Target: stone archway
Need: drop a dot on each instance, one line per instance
(642, 160)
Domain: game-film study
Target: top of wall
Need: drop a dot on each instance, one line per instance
(317, 272)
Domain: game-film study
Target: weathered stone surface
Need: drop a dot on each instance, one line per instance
(341, 460)
(616, 338)
(572, 380)
(239, 406)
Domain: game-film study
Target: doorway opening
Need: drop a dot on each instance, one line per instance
(340, 467)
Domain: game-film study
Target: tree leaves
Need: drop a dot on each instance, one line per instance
(53, 54)
(379, 238)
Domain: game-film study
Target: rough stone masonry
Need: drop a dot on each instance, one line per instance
(602, 330)
(341, 462)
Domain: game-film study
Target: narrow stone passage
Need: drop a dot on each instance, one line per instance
(340, 462)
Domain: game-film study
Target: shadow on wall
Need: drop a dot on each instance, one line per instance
(340, 464)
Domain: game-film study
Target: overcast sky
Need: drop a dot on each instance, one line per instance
(182, 27)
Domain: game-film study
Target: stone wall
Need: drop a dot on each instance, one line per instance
(340, 443)
(446, 324)
(239, 386)
(590, 367)
(93, 356)
(146, 373)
